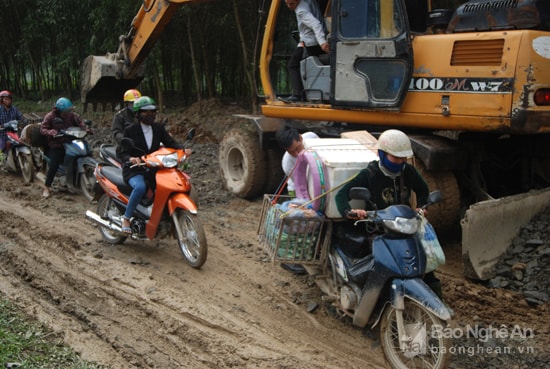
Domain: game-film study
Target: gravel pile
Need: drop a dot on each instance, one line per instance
(525, 266)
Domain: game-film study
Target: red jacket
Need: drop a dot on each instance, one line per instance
(53, 122)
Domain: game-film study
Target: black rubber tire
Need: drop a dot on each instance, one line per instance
(107, 210)
(242, 163)
(443, 216)
(87, 182)
(436, 347)
(191, 238)
(26, 165)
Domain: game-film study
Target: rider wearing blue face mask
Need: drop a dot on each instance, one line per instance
(390, 180)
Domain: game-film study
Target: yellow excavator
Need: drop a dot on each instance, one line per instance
(471, 87)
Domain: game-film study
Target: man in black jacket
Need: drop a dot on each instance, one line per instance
(125, 117)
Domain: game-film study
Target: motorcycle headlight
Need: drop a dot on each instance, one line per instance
(76, 132)
(403, 225)
(170, 160)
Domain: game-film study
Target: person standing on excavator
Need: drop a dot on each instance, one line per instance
(313, 40)
(125, 117)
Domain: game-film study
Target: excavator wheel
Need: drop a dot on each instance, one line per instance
(443, 216)
(242, 163)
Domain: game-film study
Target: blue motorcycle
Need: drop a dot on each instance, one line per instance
(85, 163)
(381, 283)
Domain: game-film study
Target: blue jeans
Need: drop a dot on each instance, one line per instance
(139, 186)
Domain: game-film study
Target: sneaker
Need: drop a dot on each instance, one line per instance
(46, 193)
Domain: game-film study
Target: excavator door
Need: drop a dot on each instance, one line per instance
(372, 58)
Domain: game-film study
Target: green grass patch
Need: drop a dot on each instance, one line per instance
(27, 344)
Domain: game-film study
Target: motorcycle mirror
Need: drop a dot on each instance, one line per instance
(359, 193)
(88, 122)
(435, 197)
(191, 134)
(12, 124)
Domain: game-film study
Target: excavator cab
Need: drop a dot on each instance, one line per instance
(371, 59)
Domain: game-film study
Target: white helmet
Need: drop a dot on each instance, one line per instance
(396, 143)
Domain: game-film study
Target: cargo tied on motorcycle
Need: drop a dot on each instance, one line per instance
(383, 287)
(291, 232)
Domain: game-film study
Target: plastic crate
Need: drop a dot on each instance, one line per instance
(290, 239)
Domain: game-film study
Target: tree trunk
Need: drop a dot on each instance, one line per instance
(246, 62)
(193, 59)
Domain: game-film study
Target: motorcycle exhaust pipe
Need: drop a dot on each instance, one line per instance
(105, 223)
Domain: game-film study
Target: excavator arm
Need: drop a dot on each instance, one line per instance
(105, 78)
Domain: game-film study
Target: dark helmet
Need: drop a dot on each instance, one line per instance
(144, 103)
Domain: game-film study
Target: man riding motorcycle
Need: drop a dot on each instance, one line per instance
(8, 112)
(390, 181)
(60, 117)
(125, 117)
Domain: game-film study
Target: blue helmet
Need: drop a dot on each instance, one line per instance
(63, 105)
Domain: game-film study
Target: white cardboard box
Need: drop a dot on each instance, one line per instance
(342, 158)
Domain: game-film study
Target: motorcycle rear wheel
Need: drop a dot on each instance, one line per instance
(190, 237)
(428, 349)
(106, 209)
(26, 165)
(87, 182)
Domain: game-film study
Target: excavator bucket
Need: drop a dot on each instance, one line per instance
(101, 81)
(489, 227)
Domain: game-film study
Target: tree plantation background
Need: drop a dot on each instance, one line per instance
(207, 50)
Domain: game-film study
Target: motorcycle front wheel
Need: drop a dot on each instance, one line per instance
(87, 181)
(107, 210)
(424, 346)
(27, 167)
(191, 237)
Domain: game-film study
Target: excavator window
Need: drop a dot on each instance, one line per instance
(369, 19)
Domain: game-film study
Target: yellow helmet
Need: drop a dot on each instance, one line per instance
(131, 95)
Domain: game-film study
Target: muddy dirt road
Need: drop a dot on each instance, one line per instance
(138, 305)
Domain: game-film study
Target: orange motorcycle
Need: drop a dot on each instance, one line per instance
(169, 210)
